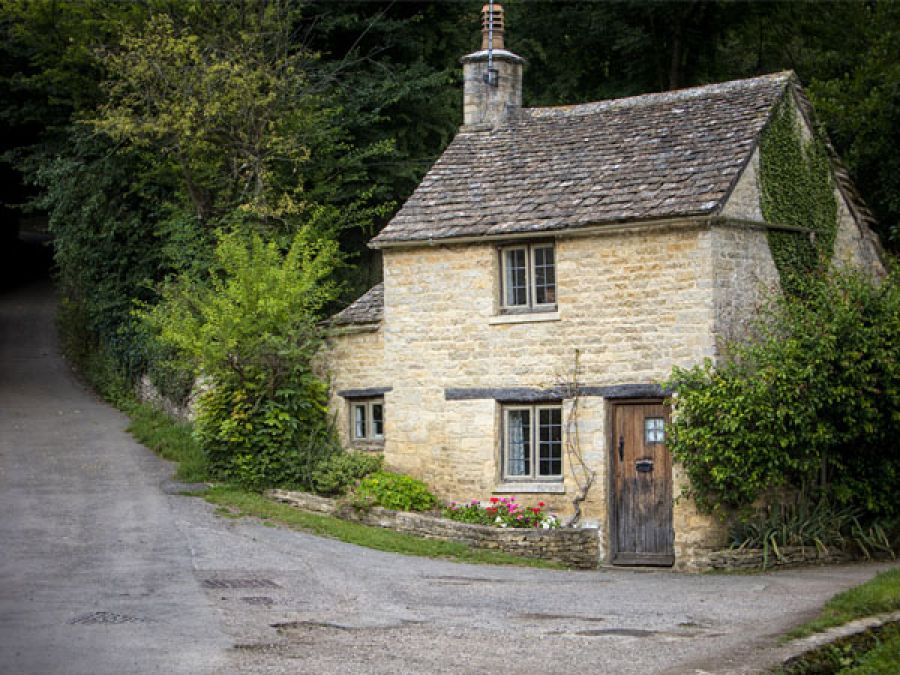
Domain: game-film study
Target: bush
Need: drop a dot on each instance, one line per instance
(808, 522)
(335, 474)
(252, 332)
(502, 512)
(395, 491)
(812, 404)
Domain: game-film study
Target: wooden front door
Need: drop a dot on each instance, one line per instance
(641, 485)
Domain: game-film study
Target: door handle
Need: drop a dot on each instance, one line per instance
(621, 448)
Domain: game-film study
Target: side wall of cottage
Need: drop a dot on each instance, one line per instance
(352, 359)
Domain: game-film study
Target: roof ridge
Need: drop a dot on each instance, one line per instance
(655, 98)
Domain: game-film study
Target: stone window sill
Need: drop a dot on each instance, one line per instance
(530, 488)
(529, 317)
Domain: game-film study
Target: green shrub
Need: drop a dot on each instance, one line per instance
(811, 404)
(807, 522)
(395, 491)
(340, 471)
(252, 331)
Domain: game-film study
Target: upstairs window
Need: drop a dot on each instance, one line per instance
(367, 420)
(528, 277)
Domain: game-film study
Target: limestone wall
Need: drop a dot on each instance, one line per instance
(745, 274)
(634, 304)
(352, 359)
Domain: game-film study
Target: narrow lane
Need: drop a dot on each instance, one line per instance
(102, 572)
(95, 576)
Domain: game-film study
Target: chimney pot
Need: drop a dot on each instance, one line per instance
(495, 21)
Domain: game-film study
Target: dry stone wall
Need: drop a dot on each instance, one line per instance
(574, 547)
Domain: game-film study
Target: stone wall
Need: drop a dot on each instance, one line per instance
(791, 556)
(745, 274)
(574, 547)
(633, 303)
(353, 358)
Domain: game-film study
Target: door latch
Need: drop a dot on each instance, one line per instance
(621, 448)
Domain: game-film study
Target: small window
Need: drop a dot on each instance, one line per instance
(528, 277)
(654, 430)
(367, 420)
(533, 442)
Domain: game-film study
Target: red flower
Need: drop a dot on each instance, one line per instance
(494, 500)
(541, 504)
(491, 510)
(534, 510)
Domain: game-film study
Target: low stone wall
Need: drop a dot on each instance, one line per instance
(578, 548)
(745, 559)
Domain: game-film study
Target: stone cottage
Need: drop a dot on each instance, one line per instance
(544, 278)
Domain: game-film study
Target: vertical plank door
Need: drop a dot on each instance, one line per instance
(642, 485)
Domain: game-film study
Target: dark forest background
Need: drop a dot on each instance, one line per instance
(142, 131)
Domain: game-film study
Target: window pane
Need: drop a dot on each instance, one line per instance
(550, 442)
(544, 276)
(514, 277)
(377, 420)
(359, 421)
(654, 431)
(518, 443)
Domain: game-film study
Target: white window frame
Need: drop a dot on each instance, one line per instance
(534, 411)
(531, 304)
(368, 407)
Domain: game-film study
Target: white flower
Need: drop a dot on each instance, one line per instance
(498, 519)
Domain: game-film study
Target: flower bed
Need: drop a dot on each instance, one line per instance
(578, 548)
(503, 512)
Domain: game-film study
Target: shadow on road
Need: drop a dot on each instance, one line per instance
(25, 260)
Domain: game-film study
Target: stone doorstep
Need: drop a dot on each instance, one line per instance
(577, 547)
(798, 648)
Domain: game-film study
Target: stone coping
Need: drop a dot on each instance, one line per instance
(802, 647)
(576, 547)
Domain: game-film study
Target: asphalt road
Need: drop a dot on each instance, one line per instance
(103, 571)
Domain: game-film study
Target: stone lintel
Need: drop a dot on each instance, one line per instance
(367, 392)
(534, 394)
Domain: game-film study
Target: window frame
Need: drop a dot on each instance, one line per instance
(368, 406)
(534, 443)
(531, 289)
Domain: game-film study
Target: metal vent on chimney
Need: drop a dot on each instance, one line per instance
(491, 36)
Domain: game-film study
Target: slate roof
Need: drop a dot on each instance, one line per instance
(551, 169)
(367, 309)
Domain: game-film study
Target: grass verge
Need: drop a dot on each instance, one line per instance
(174, 441)
(235, 502)
(876, 596)
(169, 439)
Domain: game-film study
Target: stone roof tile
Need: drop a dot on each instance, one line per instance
(367, 309)
(549, 169)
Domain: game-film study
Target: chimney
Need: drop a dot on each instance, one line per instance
(492, 77)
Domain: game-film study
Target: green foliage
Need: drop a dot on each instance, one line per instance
(395, 491)
(806, 522)
(812, 403)
(337, 473)
(251, 331)
(797, 190)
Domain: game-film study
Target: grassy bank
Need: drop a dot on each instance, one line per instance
(174, 442)
(876, 596)
(872, 652)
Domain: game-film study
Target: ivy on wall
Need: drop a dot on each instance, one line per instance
(796, 188)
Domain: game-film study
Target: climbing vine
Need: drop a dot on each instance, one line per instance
(796, 189)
